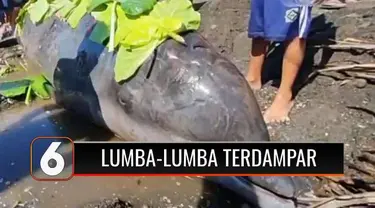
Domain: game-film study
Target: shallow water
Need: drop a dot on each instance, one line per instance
(19, 126)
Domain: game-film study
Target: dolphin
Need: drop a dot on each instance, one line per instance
(181, 93)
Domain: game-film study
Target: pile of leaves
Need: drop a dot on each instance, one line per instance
(134, 27)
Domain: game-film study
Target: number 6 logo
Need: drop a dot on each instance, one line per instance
(54, 166)
(49, 155)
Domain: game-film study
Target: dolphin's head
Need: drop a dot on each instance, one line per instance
(195, 92)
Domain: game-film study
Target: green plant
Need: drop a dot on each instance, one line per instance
(36, 85)
(134, 27)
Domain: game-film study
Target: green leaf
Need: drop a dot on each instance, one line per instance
(28, 96)
(66, 10)
(95, 4)
(38, 10)
(51, 11)
(124, 25)
(38, 86)
(167, 18)
(181, 10)
(60, 4)
(177, 37)
(14, 88)
(137, 32)
(102, 28)
(77, 14)
(54, 7)
(128, 61)
(170, 24)
(100, 32)
(111, 44)
(145, 32)
(137, 7)
(140, 36)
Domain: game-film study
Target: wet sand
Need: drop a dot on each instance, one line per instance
(19, 126)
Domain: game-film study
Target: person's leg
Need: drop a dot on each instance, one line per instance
(257, 56)
(283, 102)
(294, 31)
(259, 44)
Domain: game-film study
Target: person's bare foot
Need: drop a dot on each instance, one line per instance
(279, 110)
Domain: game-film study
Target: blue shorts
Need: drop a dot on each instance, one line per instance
(274, 21)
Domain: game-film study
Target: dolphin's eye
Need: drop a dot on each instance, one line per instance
(126, 104)
(199, 46)
(195, 41)
(196, 44)
(125, 99)
(122, 101)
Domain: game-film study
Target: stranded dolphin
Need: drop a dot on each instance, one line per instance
(181, 93)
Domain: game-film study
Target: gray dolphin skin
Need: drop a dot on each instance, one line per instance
(181, 93)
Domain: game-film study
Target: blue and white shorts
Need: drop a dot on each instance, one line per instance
(274, 21)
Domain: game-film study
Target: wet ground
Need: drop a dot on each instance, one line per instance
(21, 124)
